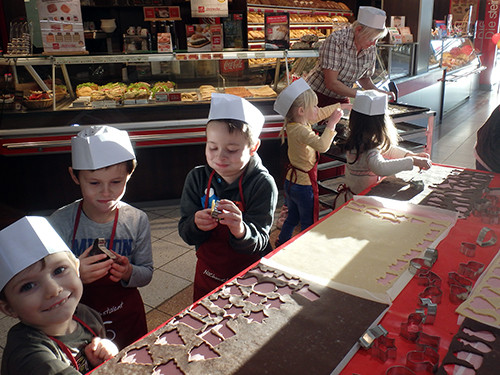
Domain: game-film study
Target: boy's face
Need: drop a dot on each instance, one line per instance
(46, 294)
(227, 153)
(102, 189)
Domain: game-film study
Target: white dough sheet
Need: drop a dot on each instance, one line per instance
(365, 247)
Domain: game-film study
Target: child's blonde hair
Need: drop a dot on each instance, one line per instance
(307, 99)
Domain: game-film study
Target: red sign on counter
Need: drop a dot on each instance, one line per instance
(230, 66)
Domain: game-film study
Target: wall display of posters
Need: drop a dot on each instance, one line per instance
(61, 26)
(162, 13)
(277, 30)
(209, 8)
(198, 37)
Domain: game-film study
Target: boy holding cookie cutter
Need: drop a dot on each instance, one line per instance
(103, 161)
(227, 206)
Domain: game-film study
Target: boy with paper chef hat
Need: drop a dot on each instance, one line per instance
(103, 161)
(39, 285)
(372, 146)
(298, 104)
(227, 206)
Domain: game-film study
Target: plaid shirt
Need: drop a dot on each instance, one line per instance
(339, 53)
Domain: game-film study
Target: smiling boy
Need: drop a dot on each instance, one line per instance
(40, 286)
(234, 234)
(103, 161)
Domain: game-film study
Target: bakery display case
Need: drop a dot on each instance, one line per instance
(453, 53)
(310, 21)
(399, 59)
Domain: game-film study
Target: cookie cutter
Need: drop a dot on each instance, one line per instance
(468, 249)
(419, 361)
(399, 370)
(428, 310)
(428, 278)
(491, 215)
(456, 279)
(384, 348)
(482, 235)
(371, 334)
(458, 294)
(481, 206)
(434, 293)
(412, 327)
(427, 261)
(214, 211)
(427, 341)
(471, 269)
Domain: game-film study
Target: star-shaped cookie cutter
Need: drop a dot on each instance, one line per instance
(471, 269)
(384, 348)
(420, 361)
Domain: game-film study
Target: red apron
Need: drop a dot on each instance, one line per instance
(67, 351)
(121, 309)
(217, 261)
(313, 177)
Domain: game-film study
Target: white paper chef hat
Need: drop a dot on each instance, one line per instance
(371, 17)
(232, 107)
(100, 146)
(286, 98)
(24, 243)
(370, 102)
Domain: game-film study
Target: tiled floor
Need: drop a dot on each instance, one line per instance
(171, 288)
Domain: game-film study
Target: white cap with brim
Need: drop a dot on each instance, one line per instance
(100, 146)
(288, 95)
(232, 107)
(372, 17)
(24, 243)
(370, 102)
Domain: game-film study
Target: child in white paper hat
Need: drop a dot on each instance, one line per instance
(298, 104)
(103, 161)
(227, 206)
(372, 146)
(39, 285)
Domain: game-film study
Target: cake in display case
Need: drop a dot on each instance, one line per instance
(453, 53)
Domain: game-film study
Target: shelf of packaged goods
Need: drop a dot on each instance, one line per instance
(317, 11)
(142, 134)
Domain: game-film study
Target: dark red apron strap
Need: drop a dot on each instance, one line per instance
(65, 349)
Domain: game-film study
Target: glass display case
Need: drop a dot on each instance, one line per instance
(399, 59)
(453, 53)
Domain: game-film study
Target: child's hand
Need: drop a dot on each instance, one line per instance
(334, 119)
(422, 162)
(90, 267)
(100, 350)
(204, 220)
(232, 217)
(346, 106)
(121, 269)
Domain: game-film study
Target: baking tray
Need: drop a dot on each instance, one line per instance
(397, 110)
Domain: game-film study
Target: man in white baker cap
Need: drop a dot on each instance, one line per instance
(348, 56)
(372, 149)
(39, 285)
(103, 161)
(297, 103)
(227, 206)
